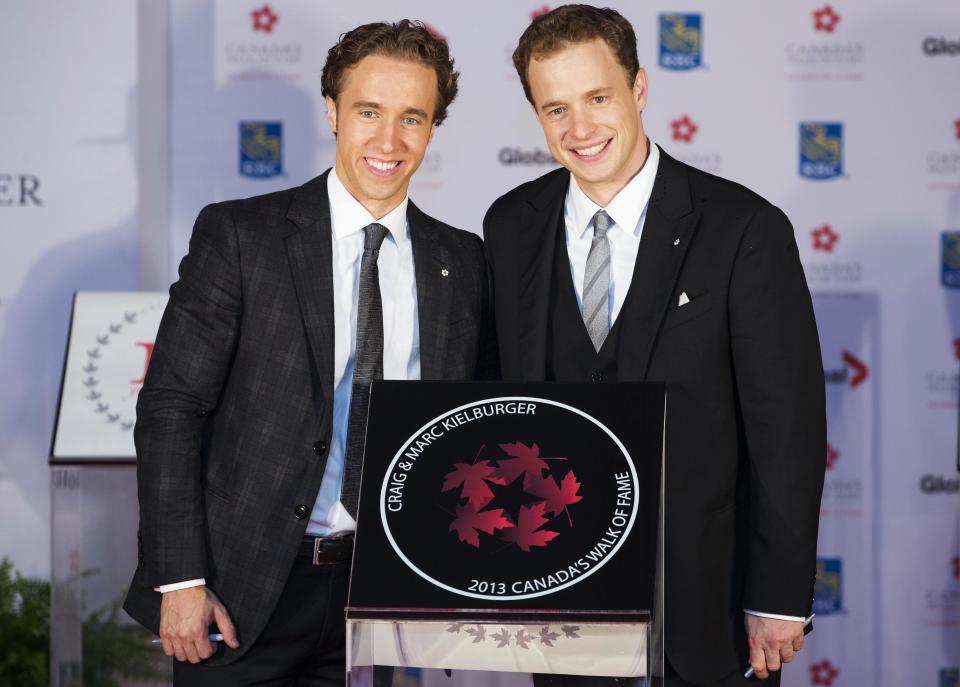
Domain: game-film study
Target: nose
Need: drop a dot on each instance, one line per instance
(388, 137)
(581, 125)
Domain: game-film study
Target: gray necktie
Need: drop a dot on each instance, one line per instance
(368, 362)
(596, 282)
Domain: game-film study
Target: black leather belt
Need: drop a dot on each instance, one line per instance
(328, 550)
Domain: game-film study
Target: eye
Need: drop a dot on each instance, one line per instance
(368, 114)
(411, 121)
(557, 111)
(599, 99)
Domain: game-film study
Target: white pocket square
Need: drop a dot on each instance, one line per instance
(684, 299)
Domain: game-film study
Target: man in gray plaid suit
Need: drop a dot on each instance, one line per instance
(287, 303)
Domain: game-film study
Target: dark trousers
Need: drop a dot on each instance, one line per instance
(671, 679)
(303, 643)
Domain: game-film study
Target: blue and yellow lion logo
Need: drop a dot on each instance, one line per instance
(821, 150)
(681, 43)
(828, 589)
(261, 149)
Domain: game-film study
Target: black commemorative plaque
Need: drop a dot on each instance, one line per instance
(509, 497)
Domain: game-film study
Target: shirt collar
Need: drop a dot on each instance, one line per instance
(348, 216)
(626, 208)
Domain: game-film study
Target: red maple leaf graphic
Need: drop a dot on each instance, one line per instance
(825, 19)
(824, 238)
(823, 673)
(264, 19)
(527, 532)
(558, 496)
(470, 522)
(525, 460)
(684, 129)
(473, 478)
(832, 456)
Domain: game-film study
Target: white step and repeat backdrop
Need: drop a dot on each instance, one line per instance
(847, 115)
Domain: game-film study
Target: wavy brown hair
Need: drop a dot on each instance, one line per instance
(568, 24)
(406, 40)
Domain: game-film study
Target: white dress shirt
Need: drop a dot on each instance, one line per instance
(628, 211)
(401, 334)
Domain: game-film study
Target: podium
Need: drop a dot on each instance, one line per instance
(509, 528)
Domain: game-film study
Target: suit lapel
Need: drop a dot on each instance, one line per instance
(536, 243)
(310, 252)
(668, 232)
(434, 295)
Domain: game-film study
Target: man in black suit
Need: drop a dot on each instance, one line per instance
(247, 475)
(628, 265)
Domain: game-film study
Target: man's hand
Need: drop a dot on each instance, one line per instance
(185, 619)
(772, 642)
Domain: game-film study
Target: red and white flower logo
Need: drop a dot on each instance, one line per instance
(684, 129)
(832, 456)
(264, 19)
(825, 19)
(824, 238)
(823, 673)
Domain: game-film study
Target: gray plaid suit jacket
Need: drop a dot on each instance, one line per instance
(235, 414)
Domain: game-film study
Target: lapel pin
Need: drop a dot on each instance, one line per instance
(444, 272)
(676, 242)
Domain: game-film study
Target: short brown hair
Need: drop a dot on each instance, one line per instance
(405, 39)
(568, 24)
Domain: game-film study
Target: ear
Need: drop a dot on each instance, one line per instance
(640, 89)
(332, 114)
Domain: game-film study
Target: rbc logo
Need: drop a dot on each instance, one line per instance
(681, 44)
(828, 589)
(950, 259)
(261, 149)
(821, 150)
(950, 677)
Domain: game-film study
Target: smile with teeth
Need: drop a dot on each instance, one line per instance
(592, 150)
(381, 165)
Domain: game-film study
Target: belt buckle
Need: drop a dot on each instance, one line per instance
(317, 550)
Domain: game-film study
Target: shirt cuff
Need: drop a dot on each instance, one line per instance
(164, 588)
(775, 616)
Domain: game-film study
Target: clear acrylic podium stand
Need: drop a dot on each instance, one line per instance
(561, 644)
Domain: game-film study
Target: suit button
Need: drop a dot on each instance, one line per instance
(301, 512)
(320, 448)
(596, 377)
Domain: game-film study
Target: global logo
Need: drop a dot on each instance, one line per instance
(821, 150)
(939, 484)
(823, 673)
(470, 499)
(261, 149)
(681, 41)
(950, 259)
(683, 129)
(853, 373)
(937, 47)
(950, 677)
(264, 19)
(825, 19)
(824, 238)
(518, 156)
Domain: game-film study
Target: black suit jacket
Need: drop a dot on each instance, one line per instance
(235, 414)
(746, 427)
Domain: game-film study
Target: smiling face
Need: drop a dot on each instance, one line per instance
(383, 119)
(590, 114)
